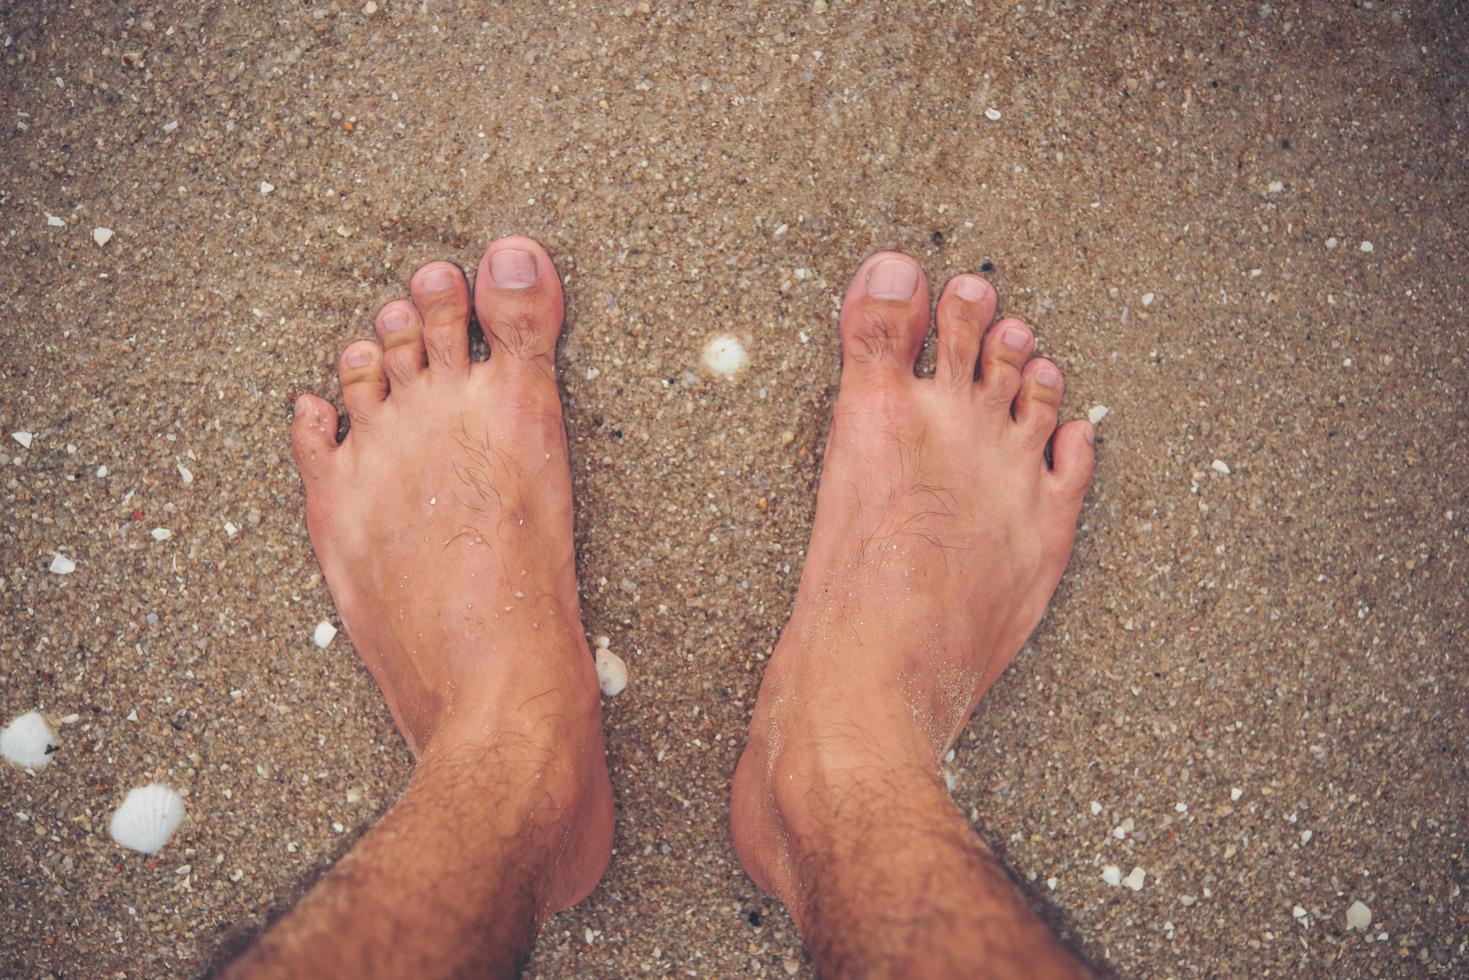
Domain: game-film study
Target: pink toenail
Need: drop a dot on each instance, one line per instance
(1091, 434)
(395, 319)
(969, 289)
(513, 269)
(1017, 337)
(301, 403)
(1047, 375)
(892, 279)
(359, 357)
(437, 279)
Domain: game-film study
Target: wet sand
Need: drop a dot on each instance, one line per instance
(1264, 671)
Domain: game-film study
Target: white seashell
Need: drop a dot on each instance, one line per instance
(52, 221)
(185, 474)
(62, 565)
(993, 114)
(1220, 466)
(611, 672)
(161, 533)
(147, 818)
(101, 235)
(1096, 414)
(1112, 875)
(24, 438)
(725, 355)
(266, 187)
(1135, 879)
(28, 741)
(324, 634)
(1359, 916)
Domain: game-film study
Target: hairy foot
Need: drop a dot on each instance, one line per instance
(941, 531)
(443, 524)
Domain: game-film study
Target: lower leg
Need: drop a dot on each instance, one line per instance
(944, 519)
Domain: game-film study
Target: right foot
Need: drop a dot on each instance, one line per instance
(443, 525)
(941, 532)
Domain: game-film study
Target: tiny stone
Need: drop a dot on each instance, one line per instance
(161, 533)
(1332, 243)
(24, 438)
(62, 565)
(1096, 808)
(1148, 299)
(237, 874)
(185, 474)
(1135, 878)
(992, 114)
(1298, 912)
(53, 221)
(101, 235)
(1275, 187)
(1096, 413)
(1051, 883)
(324, 634)
(1220, 466)
(1367, 246)
(792, 966)
(101, 471)
(230, 530)
(1112, 875)
(266, 187)
(1236, 793)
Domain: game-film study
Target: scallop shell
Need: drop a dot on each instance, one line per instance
(147, 818)
(28, 741)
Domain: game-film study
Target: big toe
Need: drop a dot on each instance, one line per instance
(884, 317)
(517, 294)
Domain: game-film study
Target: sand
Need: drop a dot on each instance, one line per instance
(1178, 196)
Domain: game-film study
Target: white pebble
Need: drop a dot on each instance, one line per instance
(1096, 808)
(992, 114)
(101, 235)
(1148, 299)
(1220, 466)
(1135, 879)
(24, 438)
(725, 355)
(1236, 793)
(185, 474)
(1332, 243)
(1051, 883)
(1359, 916)
(611, 672)
(230, 530)
(266, 187)
(1123, 829)
(1096, 413)
(62, 565)
(1112, 875)
(1367, 246)
(101, 472)
(324, 634)
(1275, 187)
(169, 127)
(28, 741)
(147, 818)
(53, 221)
(1298, 912)
(161, 533)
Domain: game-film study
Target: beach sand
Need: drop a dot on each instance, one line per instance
(1264, 670)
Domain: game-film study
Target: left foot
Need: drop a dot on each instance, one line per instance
(443, 524)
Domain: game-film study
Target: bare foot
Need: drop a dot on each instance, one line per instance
(443, 523)
(941, 532)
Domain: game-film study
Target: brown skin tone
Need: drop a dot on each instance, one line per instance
(443, 525)
(941, 532)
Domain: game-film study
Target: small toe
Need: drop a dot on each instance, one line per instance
(313, 435)
(965, 310)
(1006, 350)
(1039, 400)
(364, 384)
(442, 297)
(1072, 457)
(884, 318)
(400, 331)
(517, 294)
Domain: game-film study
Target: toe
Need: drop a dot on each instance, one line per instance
(1007, 347)
(965, 309)
(364, 384)
(884, 317)
(442, 298)
(1039, 400)
(313, 435)
(400, 331)
(1072, 458)
(517, 295)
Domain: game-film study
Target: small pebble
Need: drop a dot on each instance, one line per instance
(53, 221)
(611, 672)
(1148, 299)
(1332, 243)
(1135, 879)
(992, 114)
(230, 530)
(1236, 793)
(1367, 246)
(324, 634)
(1275, 187)
(1112, 875)
(1220, 466)
(161, 533)
(101, 236)
(1096, 413)
(186, 474)
(266, 187)
(62, 565)
(24, 438)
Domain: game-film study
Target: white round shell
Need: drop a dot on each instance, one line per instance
(28, 741)
(147, 818)
(725, 356)
(611, 672)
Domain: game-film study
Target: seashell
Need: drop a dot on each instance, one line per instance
(147, 818)
(725, 356)
(62, 565)
(28, 741)
(323, 635)
(611, 672)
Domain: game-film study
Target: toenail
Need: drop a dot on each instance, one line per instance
(892, 279)
(395, 319)
(1090, 432)
(1016, 337)
(1047, 375)
(969, 289)
(359, 357)
(437, 279)
(513, 269)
